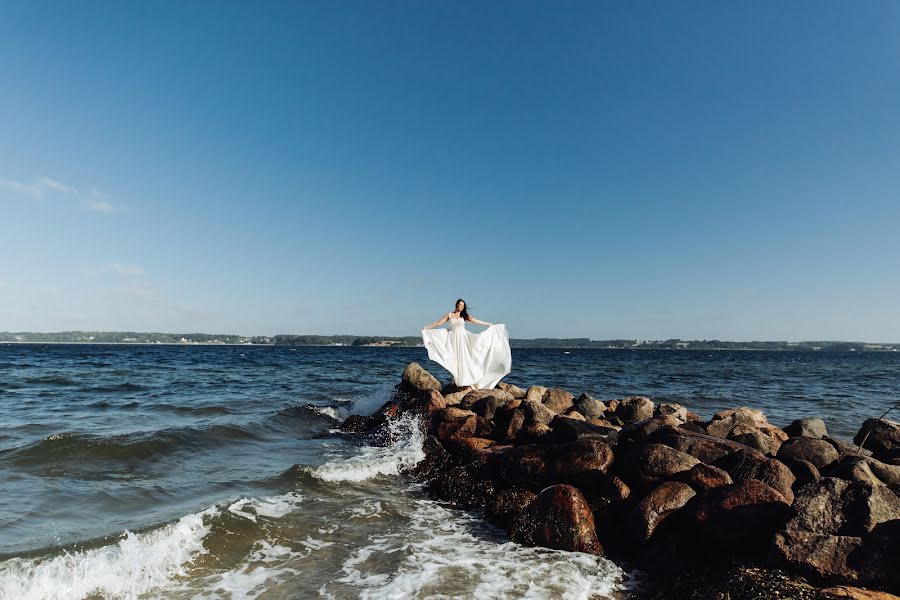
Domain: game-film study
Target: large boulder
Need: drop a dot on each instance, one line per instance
(557, 400)
(878, 435)
(647, 465)
(584, 463)
(832, 506)
(809, 427)
(419, 379)
(484, 405)
(749, 464)
(655, 507)
(507, 504)
(745, 513)
(558, 518)
(705, 447)
(671, 409)
(634, 408)
(816, 451)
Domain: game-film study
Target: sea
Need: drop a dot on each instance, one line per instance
(218, 472)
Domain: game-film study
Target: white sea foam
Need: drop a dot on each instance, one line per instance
(265, 565)
(273, 507)
(445, 553)
(404, 452)
(138, 563)
(332, 412)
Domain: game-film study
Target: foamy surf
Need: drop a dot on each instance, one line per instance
(135, 565)
(446, 553)
(404, 452)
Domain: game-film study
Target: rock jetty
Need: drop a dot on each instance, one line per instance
(730, 507)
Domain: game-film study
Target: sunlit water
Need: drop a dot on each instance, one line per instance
(217, 472)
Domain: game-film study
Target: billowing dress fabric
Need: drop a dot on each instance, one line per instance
(477, 359)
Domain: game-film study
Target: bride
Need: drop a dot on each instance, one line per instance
(479, 360)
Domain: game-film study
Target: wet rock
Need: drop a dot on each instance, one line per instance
(748, 512)
(557, 400)
(810, 427)
(846, 592)
(655, 507)
(703, 477)
(429, 402)
(513, 390)
(634, 408)
(535, 393)
(878, 435)
(536, 413)
(507, 424)
(583, 463)
(744, 583)
(358, 424)
(749, 464)
(484, 428)
(468, 449)
(507, 504)
(590, 407)
(462, 486)
(436, 459)
(558, 518)
(816, 451)
(647, 465)
(569, 430)
(417, 378)
(518, 466)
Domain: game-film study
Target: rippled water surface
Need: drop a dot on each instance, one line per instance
(216, 471)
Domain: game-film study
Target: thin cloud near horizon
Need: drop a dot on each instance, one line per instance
(43, 187)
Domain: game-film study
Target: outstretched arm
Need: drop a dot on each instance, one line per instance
(440, 321)
(477, 322)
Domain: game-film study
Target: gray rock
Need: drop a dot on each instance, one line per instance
(634, 408)
(810, 427)
(672, 409)
(818, 452)
(589, 407)
(536, 413)
(418, 378)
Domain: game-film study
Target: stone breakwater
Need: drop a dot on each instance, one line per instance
(730, 507)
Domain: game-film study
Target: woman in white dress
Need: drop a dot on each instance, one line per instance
(478, 360)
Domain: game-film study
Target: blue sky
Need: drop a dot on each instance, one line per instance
(592, 169)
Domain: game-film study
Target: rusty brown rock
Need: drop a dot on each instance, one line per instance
(749, 464)
(748, 511)
(703, 477)
(513, 390)
(535, 393)
(558, 518)
(419, 379)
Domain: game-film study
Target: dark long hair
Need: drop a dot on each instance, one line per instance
(464, 313)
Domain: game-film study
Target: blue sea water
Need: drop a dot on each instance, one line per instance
(218, 472)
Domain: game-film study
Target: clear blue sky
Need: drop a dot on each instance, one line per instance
(593, 169)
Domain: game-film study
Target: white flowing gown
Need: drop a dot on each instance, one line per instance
(477, 359)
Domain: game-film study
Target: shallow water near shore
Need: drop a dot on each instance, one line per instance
(217, 472)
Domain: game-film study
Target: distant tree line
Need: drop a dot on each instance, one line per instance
(135, 337)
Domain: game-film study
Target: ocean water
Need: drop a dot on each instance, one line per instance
(204, 472)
